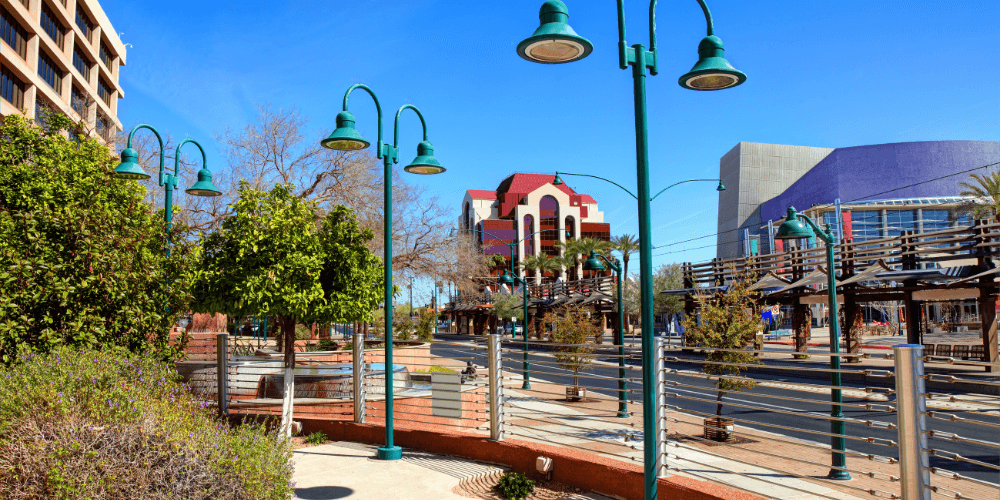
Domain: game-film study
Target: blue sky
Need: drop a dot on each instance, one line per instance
(820, 73)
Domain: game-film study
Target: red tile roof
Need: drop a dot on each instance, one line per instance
(526, 183)
(482, 194)
(586, 198)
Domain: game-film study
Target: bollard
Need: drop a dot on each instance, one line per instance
(359, 377)
(660, 399)
(495, 387)
(222, 372)
(911, 407)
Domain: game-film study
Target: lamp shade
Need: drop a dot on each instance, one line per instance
(593, 263)
(424, 163)
(720, 188)
(204, 186)
(557, 181)
(129, 167)
(793, 228)
(345, 137)
(507, 279)
(554, 41)
(712, 71)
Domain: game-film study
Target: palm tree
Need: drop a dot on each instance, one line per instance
(540, 264)
(573, 250)
(984, 187)
(626, 245)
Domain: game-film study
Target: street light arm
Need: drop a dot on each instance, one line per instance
(177, 158)
(614, 267)
(681, 182)
(378, 107)
(601, 178)
(823, 235)
(128, 144)
(708, 18)
(622, 46)
(395, 136)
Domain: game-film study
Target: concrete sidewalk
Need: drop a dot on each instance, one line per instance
(350, 470)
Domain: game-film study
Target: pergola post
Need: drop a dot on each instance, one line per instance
(987, 295)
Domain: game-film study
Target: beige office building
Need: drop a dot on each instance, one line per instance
(63, 55)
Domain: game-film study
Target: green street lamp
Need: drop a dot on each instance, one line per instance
(411, 297)
(129, 169)
(346, 138)
(509, 280)
(711, 72)
(802, 227)
(593, 263)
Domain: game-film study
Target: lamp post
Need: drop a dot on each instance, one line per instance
(129, 169)
(509, 280)
(346, 138)
(593, 263)
(555, 42)
(411, 297)
(792, 229)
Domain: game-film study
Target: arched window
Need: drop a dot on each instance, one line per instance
(570, 228)
(548, 209)
(529, 227)
(466, 217)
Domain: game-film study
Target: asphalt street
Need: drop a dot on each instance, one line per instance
(766, 406)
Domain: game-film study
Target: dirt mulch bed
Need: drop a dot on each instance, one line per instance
(482, 487)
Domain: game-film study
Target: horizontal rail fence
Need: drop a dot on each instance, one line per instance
(437, 385)
(572, 395)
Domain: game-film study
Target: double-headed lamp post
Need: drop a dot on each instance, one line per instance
(555, 42)
(798, 227)
(346, 138)
(593, 263)
(129, 169)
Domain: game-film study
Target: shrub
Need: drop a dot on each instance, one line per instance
(514, 486)
(316, 438)
(82, 257)
(86, 424)
(425, 326)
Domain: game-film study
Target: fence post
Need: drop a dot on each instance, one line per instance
(495, 387)
(358, 369)
(660, 398)
(911, 406)
(222, 372)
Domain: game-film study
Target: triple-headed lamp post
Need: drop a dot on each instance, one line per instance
(346, 138)
(798, 227)
(555, 42)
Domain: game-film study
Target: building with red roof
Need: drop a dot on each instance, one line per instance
(535, 214)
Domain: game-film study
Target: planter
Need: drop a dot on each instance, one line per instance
(719, 429)
(575, 393)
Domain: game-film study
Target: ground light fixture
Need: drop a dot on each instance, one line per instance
(798, 227)
(711, 72)
(129, 169)
(346, 138)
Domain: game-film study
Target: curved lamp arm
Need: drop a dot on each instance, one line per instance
(177, 158)
(378, 107)
(603, 179)
(128, 144)
(612, 264)
(823, 235)
(395, 135)
(623, 46)
(681, 182)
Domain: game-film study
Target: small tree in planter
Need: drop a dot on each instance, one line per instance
(506, 306)
(572, 327)
(729, 321)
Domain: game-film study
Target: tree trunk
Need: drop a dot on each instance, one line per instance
(718, 404)
(288, 339)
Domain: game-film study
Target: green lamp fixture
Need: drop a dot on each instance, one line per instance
(593, 263)
(507, 279)
(129, 167)
(345, 137)
(554, 41)
(557, 181)
(721, 188)
(712, 71)
(204, 186)
(424, 163)
(793, 228)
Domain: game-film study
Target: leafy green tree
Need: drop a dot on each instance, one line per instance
(276, 257)
(425, 326)
(540, 264)
(986, 188)
(507, 305)
(572, 328)
(626, 244)
(730, 320)
(82, 258)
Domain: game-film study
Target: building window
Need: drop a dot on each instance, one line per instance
(866, 225)
(11, 89)
(104, 92)
(104, 128)
(81, 63)
(49, 72)
(548, 211)
(898, 221)
(78, 101)
(529, 227)
(106, 56)
(83, 22)
(51, 26)
(12, 34)
(570, 228)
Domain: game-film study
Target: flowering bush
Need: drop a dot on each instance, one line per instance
(111, 425)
